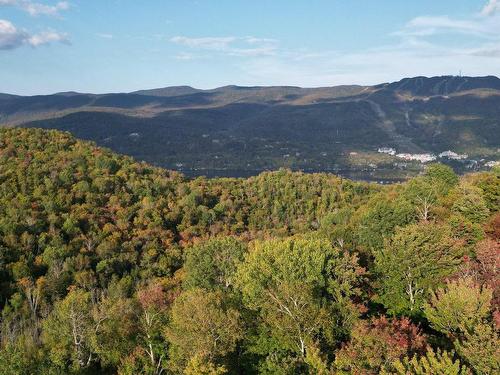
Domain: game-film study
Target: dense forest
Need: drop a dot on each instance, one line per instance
(110, 266)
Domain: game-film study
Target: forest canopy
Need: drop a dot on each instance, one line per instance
(111, 266)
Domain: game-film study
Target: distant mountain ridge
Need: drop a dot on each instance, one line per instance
(168, 91)
(255, 128)
(445, 85)
(439, 85)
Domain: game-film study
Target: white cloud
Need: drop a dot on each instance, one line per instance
(105, 35)
(487, 50)
(252, 52)
(426, 26)
(11, 37)
(230, 45)
(46, 37)
(472, 45)
(416, 51)
(37, 9)
(491, 8)
(372, 66)
(210, 43)
(444, 22)
(186, 56)
(254, 40)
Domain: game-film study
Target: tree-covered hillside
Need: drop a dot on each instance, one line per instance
(110, 266)
(241, 131)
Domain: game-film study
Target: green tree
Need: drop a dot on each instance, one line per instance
(201, 366)
(24, 356)
(423, 194)
(115, 329)
(68, 330)
(489, 183)
(301, 288)
(418, 257)
(436, 363)
(470, 203)
(202, 324)
(153, 315)
(480, 348)
(316, 362)
(442, 176)
(459, 307)
(381, 216)
(211, 264)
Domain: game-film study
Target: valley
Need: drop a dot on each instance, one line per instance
(252, 129)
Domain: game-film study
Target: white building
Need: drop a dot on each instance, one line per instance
(453, 155)
(492, 164)
(387, 150)
(423, 158)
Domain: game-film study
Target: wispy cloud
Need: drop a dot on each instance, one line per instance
(11, 37)
(371, 66)
(47, 37)
(247, 46)
(491, 8)
(427, 26)
(210, 43)
(488, 50)
(429, 45)
(105, 35)
(35, 8)
(186, 56)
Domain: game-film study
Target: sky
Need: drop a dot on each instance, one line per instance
(124, 45)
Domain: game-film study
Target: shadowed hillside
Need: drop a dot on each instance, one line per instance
(242, 130)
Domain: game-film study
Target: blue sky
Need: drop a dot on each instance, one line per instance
(123, 45)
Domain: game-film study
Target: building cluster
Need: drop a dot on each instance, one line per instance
(423, 158)
(426, 158)
(453, 155)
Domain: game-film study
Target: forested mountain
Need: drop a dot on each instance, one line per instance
(243, 130)
(108, 265)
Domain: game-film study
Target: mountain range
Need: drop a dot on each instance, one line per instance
(235, 130)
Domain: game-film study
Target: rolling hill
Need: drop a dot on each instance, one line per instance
(236, 130)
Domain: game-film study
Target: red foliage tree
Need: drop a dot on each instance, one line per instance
(484, 268)
(376, 344)
(493, 227)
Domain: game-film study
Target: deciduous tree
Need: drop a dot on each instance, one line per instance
(202, 324)
(459, 307)
(418, 257)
